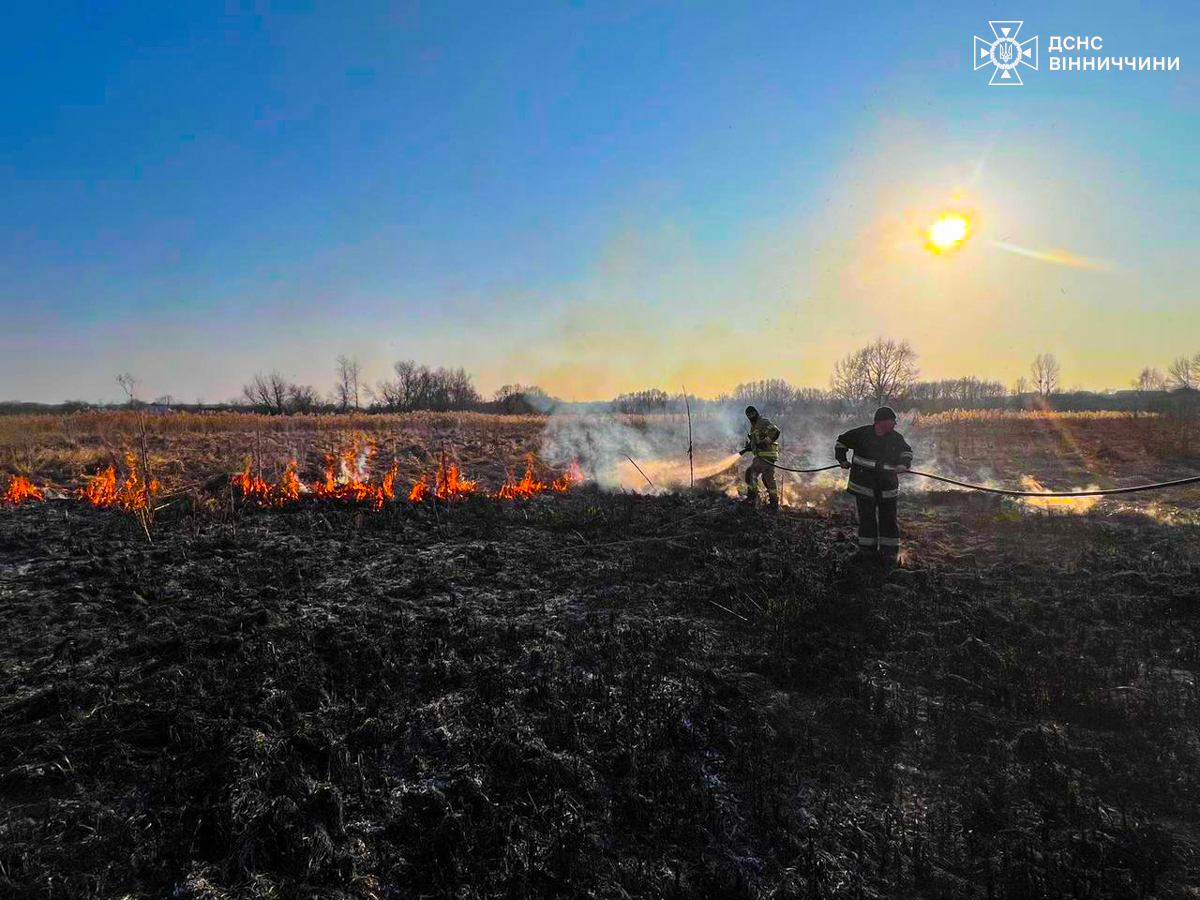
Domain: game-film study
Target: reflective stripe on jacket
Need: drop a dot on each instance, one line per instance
(873, 470)
(762, 439)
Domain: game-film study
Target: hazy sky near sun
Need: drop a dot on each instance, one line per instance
(596, 197)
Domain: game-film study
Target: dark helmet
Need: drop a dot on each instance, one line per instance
(751, 413)
(885, 412)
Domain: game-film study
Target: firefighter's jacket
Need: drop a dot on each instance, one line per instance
(873, 469)
(762, 439)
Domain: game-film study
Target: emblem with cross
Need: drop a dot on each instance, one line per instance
(1006, 53)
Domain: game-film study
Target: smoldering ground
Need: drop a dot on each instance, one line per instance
(595, 693)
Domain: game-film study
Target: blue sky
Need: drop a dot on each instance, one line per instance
(598, 197)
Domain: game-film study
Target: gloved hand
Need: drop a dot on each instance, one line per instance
(845, 464)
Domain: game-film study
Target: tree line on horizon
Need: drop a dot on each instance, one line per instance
(883, 372)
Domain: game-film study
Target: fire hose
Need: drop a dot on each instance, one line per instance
(1195, 479)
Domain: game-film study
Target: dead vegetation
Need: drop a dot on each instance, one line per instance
(181, 450)
(594, 694)
(186, 450)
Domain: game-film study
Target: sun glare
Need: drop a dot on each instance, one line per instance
(947, 232)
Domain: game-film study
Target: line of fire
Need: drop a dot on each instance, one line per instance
(345, 480)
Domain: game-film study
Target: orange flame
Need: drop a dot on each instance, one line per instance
(134, 493)
(451, 484)
(345, 479)
(573, 476)
(101, 489)
(448, 484)
(419, 490)
(289, 486)
(527, 487)
(256, 489)
(253, 487)
(351, 483)
(388, 489)
(21, 489)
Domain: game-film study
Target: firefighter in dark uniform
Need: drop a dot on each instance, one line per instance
(880, 454)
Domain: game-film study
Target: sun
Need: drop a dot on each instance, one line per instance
(948, 232)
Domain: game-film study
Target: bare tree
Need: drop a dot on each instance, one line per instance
(1021, 385)
(460, 392)
(967, 392)
(1149, 379)
(771, 393)
(522, 398)
(268, 391)
(1184, 372)
(145, 513)
(891, 369)
(346, 392)
(501, 394)
(129, 384)
(302, 398)
(403, 393)
(408, 390)
(1046, 374)
(648, 400)
(882, 371)
(419, 387)
(849, 381)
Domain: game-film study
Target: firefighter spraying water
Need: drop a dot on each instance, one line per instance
(762, 441)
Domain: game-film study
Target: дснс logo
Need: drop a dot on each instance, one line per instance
(1006, 53)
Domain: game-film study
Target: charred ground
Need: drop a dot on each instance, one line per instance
(597, 695)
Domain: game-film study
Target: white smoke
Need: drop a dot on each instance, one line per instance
(604, 443)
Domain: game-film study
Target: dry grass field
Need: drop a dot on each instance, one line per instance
(603, 692)
(185, 449)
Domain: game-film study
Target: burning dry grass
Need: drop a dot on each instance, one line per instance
(347, 480)
(21, 489)
(134, 493)
(59, 450)
(63, 451)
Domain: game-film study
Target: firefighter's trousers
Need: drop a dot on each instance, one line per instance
(767, 471)
(877, 525)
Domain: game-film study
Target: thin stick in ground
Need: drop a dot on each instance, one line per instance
(691, 465)
(639, 468)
